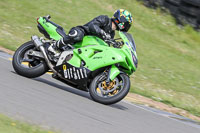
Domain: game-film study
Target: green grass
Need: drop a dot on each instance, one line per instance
(8, 125)
(169, 56)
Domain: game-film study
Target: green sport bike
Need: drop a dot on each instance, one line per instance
(99, 67)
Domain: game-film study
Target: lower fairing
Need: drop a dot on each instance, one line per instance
(77, 76)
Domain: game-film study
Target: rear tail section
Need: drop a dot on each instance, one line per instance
(50, 29)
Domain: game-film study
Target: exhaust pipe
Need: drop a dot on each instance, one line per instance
(36, 40)
(39, 45)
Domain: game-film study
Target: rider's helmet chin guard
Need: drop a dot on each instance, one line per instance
(122, 19)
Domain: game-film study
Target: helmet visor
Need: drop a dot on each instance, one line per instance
(127, 26)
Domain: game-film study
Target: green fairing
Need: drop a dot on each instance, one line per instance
(75, 61)
(104, 56)
(127, 51)
(50, 29)
(97, 54)
(90, 40)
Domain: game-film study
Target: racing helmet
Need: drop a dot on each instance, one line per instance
(122, 19)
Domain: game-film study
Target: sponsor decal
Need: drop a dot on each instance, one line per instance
(71, 72)
(81, 71)
(97, 57)
(74, 73)
(85, 72)
(65, 71)
(68, 73)
(78, 74)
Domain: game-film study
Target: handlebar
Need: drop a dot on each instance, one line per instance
(114, 43)
(110, 41)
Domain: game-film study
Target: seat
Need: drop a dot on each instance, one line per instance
(59, 29)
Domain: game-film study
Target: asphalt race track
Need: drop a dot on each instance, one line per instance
(54, 105)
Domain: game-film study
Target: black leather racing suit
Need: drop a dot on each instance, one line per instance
(94, 27)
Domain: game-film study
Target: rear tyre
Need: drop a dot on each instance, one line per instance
(26, 65)
(110, 93)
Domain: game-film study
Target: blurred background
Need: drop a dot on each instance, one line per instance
(168, 54)
(185, 11)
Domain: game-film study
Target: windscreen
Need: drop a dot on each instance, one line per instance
(132, 46)
(130, 38)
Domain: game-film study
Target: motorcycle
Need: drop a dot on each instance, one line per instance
(100, 67)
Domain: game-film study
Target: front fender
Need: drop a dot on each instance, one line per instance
(114, 71)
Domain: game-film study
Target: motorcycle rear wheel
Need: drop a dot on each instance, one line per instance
(26, 65)
(110, 93)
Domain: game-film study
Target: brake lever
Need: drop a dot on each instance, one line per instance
(118, 44)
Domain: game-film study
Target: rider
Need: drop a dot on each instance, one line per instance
(101, 26)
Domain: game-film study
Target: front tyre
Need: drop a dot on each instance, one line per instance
(26, 65)
(109, 93)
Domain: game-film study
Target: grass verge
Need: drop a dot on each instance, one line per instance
(8, 125)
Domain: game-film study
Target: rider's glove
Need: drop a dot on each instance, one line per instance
(118, 44)
(105, 36)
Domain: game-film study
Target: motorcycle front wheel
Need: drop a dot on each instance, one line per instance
(26, 65)
(109, 93)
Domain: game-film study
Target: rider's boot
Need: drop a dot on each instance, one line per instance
(59, 46)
